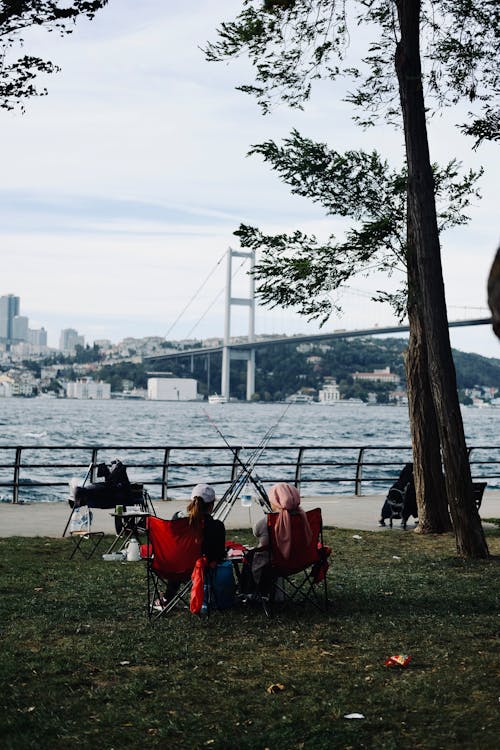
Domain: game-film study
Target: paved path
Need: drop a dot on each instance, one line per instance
(359, 513)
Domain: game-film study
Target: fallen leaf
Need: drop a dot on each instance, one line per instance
(276, 687)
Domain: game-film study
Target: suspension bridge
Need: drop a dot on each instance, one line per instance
(245, 350)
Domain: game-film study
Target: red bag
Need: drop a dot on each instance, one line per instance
(320, 568)
(197, 589)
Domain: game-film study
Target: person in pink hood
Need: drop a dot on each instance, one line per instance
(285, 500)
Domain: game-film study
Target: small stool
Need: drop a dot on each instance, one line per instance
(78, 537)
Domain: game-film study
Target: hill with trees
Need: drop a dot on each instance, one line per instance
(287, 368)
(283, 369)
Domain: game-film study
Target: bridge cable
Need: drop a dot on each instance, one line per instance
(197, 292)
(213, 301)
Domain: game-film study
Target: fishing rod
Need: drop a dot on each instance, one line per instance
(224, 505)
(226, 502)
(255, 479)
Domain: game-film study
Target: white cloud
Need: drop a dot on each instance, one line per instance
(120, 190)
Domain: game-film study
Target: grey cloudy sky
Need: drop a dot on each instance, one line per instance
(120, 190)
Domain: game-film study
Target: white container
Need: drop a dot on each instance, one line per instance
(133, 551)
(246, 496)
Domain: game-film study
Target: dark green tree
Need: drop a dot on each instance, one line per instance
(17, 76)
(293, 42)
(297, 270)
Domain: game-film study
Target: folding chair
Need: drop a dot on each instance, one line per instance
(302, 576)
(172, 552)
(80, 532)
(172, 549)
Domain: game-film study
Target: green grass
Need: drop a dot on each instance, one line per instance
(80, 665)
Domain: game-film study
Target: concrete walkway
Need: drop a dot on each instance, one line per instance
(348, 512)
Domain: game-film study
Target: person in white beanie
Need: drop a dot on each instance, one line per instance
(199, 512)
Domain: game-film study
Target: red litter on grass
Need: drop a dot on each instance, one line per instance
(400, 660)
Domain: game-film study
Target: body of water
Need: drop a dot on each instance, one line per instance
(59, 422)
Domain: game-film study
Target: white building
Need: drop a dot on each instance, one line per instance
(86, 388)
(329, 393)
(172, 389)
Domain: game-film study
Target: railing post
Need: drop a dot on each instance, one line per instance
(359, 472)
(164, 475)
(17, 470)
(298, 468)
(93, 465)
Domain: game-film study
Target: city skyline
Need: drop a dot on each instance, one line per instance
(122, 188)
(69, 338)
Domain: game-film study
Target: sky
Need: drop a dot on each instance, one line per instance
(121, 189)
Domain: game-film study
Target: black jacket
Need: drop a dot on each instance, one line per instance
(214, 539)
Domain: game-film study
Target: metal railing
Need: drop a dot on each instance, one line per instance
(39, 472)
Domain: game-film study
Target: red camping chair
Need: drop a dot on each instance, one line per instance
(172, 550)
(302, 575)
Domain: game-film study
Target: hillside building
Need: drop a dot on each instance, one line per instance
(20, 328)
(377, 376)
(330, 392)
(86, 388)
(37, 336)
(70, 339)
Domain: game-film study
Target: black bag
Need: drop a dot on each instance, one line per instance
(115, 488)
(117, 476)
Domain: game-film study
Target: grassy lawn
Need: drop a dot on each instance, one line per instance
(80, 665)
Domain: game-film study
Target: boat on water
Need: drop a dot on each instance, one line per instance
(341, 402)
(299, 398)
(216, 399)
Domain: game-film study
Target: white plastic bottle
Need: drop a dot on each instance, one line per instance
(246, 495)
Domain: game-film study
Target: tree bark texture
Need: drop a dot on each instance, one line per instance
(494, 293)
(432, 502)
(469, 533)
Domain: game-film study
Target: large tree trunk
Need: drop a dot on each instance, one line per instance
(433, 516)
(422, 212)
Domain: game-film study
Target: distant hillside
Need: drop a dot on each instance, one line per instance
(286, 368)
(472, 369)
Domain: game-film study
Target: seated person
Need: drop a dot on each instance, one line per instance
(199, 512)
(284, 499)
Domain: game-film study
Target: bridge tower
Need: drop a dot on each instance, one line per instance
(227, 352)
